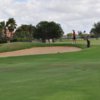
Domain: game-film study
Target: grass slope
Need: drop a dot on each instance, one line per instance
(25, 45)
(67, 76)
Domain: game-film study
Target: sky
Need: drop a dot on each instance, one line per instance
(79, 15)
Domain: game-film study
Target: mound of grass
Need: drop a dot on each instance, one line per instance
(66, 76)
(25, 45)
(14, 46)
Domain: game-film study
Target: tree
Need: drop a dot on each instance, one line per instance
(83, 34)
(55, 31)
(48, 30)
(96, 30)
(10, 29)
(25, 32)
(80, 34)
(2, 28)
(69, 35)
(42, 31)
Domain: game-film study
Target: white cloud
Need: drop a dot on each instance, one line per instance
(71, 14)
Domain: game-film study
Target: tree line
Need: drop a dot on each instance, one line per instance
(43, 31)
(94, 32)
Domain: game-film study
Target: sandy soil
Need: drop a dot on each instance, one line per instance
(40, 50)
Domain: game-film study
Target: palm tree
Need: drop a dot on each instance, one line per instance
(10, 29)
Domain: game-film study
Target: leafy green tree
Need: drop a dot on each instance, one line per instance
(80, 34)
(2, 26)
(96, 30)
(48, 30)
(2, 31)
(42, 31)
(83, 35)
(69, 35)
(25, 33)
(55, 31)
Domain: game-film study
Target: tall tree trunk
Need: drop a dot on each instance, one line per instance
(49, 40)
(8, 39)
(53, 40)
(44, 40)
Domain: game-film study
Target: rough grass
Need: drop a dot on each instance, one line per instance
(81, 41)
(66, 76)
(25, 45)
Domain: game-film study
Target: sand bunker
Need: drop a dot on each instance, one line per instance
(40, 50)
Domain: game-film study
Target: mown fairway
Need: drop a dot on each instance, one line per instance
(67, 76)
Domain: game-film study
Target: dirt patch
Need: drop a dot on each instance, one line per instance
(40, 50)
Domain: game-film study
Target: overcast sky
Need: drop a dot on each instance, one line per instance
(71, 14)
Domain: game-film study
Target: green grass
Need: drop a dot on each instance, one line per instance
(65, 76)
(81, 41)
(25, 45)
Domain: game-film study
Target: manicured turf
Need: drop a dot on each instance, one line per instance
(66, 76)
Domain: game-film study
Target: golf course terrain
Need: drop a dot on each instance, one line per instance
(60, 76)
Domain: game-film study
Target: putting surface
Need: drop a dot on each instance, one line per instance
(40, 50)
